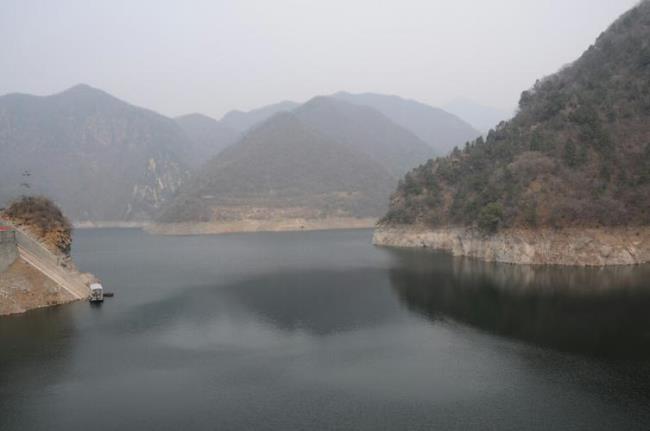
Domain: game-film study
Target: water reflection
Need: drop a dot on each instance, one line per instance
(307, 332)
(27, 342)
(601, 311)
(31, 338)
(319, 302)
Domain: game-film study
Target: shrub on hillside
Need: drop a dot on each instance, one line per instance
(490, 217)
(43, 219)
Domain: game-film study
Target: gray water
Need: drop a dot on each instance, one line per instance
(322, 331)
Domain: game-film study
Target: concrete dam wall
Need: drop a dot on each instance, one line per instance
(8, 248)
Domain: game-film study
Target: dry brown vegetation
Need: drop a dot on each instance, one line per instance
(43, 219)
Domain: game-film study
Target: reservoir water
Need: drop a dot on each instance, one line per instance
(323, 331)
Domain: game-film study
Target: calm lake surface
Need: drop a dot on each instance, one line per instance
(322, 331)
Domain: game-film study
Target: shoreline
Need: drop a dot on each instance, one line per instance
(251, 225)
(110, 224)
(596, 247)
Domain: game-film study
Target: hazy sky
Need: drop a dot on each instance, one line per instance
(212, 56)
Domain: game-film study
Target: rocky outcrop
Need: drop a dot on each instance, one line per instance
(568, 246)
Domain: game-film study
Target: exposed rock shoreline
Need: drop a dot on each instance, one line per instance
(568, 246)
(254, 225)
(109, 224)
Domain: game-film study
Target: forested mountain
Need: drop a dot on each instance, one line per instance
(576, 154)
(283, 167)
(208, 137)
(100, 158)
(243, 121)
(438, 128)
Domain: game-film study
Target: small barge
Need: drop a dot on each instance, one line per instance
(96, 293)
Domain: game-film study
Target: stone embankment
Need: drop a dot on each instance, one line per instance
(110, 224)
(570, 246)
(31, 276)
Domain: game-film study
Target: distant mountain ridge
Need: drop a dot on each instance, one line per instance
(244, 121)
(483, 118)
(326, 158)
(283, 168)
(440, 129)
(207, 135)
(105, 160)
(100, 158)
(367, 131)
(437, 127)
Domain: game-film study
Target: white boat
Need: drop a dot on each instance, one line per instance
(96, 293)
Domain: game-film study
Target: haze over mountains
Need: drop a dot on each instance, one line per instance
(99, 157)
(283, 168)
(438, 128)
(207, 135)
(104, 160)
(367, 131)
(483, 118)
(243, 121)
(326, 158)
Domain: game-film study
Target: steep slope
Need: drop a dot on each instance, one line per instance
(576, 156)
(208, 137)
(283, 169)
(365, 130)
(243, 121)
(482, 117)
(438, 128)
(36, 269)
(100, 158)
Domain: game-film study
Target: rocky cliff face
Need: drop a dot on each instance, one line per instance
(570, 246)
(160, 182)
